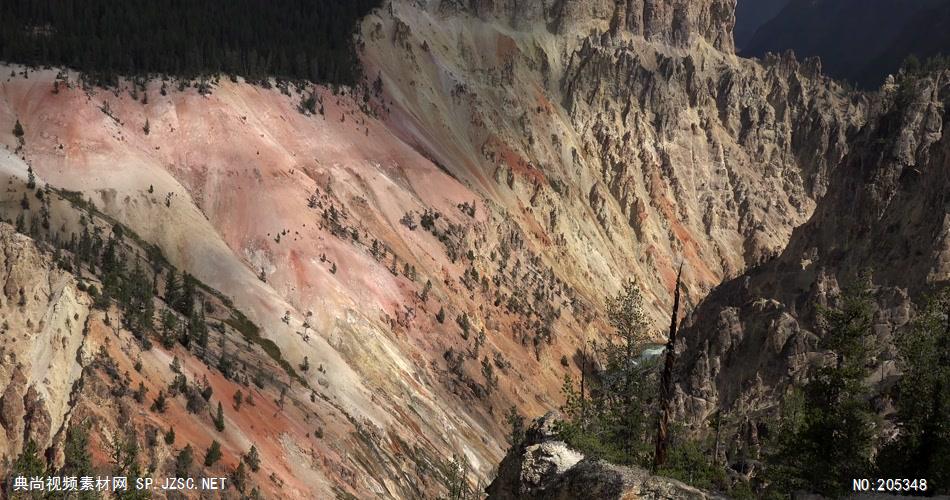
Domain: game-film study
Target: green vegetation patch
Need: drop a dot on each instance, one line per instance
(252, 333)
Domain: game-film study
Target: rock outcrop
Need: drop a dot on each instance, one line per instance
(41, 343)
(543, 467)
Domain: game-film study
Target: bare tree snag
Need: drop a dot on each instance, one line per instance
(666, 383)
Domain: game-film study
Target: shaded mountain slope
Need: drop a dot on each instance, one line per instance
(926, 35)
(858, 41)
(885, 212)
(751, 15)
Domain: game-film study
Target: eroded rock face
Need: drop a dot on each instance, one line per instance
(627, 143)
(40, 343)
(543, 467)
(676, 23)
(12, 409)
(36, 417)
(885, 211)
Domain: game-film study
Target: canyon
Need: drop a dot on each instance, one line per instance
(436, 245)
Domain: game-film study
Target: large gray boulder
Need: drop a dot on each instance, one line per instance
(543, 467)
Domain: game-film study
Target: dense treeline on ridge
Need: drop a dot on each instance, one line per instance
(294, 39)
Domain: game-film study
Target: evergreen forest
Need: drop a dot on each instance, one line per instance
(292, 39)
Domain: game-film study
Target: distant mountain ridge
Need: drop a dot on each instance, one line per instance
(861, 41)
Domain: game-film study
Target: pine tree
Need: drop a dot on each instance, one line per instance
(197, 328)
(829, 428)
(170, 436)
(184, 461)
(125, 453)
(616, 421)
(172, 290)
(239, 477)
(169, 328)
(186, 303)
(30, 178)
(77, 460)
(140, 393)
(213, 454)
(206, 389)
(253, 459)
(159, 405)
(425, 291)
(29, 463)
(516, 421)
(922, 447)
(238, 399)
(219, 418)
(138, 303)
(18, 130)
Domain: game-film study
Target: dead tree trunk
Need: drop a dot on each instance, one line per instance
(583, 385)
(666, 384)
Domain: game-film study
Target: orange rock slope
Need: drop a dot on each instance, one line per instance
(222, 183)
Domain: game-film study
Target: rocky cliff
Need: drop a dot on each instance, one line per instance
(41, 343)
(675, 23)
(885, 212)
(628, 154)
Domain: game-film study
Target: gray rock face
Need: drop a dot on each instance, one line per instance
(545, 468)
